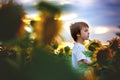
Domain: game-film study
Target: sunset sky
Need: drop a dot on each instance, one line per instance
(103, 17)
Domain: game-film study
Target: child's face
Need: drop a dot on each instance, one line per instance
(85, 33)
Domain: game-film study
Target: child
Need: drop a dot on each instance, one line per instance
(80, 33)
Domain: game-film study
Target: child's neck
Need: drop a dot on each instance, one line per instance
(81, 41)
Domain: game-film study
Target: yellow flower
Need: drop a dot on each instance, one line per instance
(93, 45)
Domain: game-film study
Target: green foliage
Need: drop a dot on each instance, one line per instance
(88, 53)
(48, 66)
(54, 46)
(43, 64)
(67, 49)
(82, 68)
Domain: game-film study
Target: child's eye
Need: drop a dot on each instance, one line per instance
(86, 30)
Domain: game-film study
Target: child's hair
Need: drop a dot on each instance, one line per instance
(76, 29)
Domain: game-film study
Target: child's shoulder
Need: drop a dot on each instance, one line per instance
(78, 45)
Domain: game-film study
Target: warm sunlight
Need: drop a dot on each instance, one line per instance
(62, 2)
(26, 21)
(68, 16)
(28, 29)
(34, 17)
(25, 1)
(100, 30)
(63, 44)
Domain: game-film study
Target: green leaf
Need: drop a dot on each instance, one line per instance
(88, 53)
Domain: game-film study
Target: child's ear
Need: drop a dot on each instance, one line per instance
(78, 34)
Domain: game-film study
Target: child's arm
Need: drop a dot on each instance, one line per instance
(84, 60)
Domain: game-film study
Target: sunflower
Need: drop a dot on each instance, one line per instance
(93, 45)
(11, 23)
(115, 43)
(103, 56)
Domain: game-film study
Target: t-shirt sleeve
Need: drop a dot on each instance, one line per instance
(79, 54)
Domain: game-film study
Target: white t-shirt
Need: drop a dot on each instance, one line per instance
(77, 54)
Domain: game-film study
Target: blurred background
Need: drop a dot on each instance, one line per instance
(35, 40)
(102, 16)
